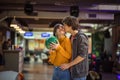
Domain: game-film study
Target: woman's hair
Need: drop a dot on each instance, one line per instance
(57, 26)
(72, 22)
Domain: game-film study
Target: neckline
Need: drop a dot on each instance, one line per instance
(62, 39)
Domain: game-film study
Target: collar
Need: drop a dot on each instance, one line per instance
(75, 36)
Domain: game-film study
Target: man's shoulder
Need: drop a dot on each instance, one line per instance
(81, 34)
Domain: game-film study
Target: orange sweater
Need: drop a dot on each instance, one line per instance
(62, 54)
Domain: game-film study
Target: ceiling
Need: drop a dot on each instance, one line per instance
(46, 11)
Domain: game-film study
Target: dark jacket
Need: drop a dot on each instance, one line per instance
(80, 48)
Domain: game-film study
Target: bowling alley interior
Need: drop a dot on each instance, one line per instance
(26, 25)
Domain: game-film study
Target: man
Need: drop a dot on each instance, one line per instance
(79, 62)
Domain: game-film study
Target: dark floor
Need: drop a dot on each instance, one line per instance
(109, 76)
(41, 71)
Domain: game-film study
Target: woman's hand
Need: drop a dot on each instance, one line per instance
(53, 46)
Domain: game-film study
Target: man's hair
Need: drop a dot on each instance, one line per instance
(71, 21)
(57, 26)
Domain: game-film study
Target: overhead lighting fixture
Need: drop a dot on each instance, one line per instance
(22, 32)
(74, 11)
(13, 23)
(87, 24)
(84, 30)
(16, 26)
(18, 29)
(28, 8)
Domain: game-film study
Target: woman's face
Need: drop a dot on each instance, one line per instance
(60, 31)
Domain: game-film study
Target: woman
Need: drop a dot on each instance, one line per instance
(60, 53)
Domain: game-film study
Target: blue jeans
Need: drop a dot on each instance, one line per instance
(59, 74)
(82, 78)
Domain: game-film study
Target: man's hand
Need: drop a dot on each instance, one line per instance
(65, 66)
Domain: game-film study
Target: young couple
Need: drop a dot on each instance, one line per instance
(69, 56)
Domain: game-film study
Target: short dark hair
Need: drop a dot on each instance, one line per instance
(57, 26)
(71, 21)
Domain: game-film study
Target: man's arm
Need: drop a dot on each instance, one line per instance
(77, 60)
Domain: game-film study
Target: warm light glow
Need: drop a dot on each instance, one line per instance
(22, 31)
(91, 25)
(84, 30)
(16, 27)
(88, 34)
(13, 25)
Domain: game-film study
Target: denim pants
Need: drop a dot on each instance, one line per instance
(82, 78)
(59, 74)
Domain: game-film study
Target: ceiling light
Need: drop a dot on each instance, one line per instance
(22, 31)
(13, 23)
(84, 30)
(16, 27)
(87, 24)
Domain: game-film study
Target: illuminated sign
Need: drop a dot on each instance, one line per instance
(28, 34)
(45, 35)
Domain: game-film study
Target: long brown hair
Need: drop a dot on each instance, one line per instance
(57, 26)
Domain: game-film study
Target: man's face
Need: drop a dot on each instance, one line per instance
(67, 28)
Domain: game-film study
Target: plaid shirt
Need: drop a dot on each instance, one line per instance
(80, 48)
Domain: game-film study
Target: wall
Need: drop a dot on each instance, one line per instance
(115, 40)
